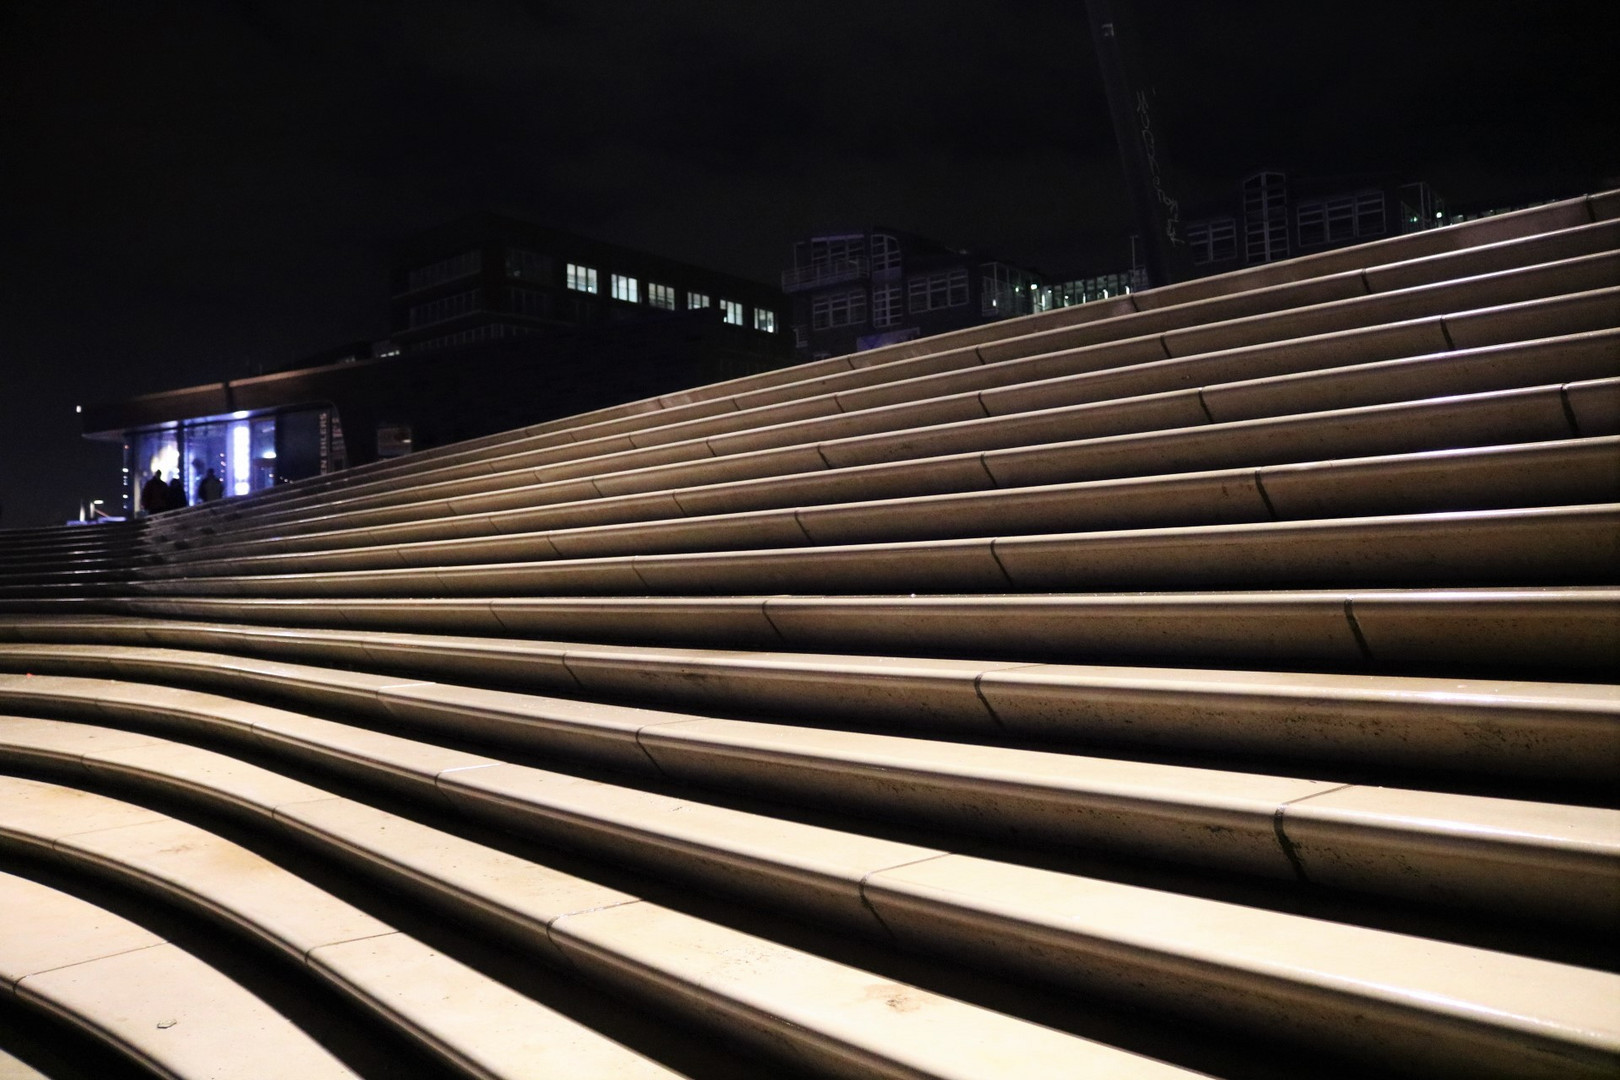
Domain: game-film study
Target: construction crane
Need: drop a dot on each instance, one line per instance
(1156, 212)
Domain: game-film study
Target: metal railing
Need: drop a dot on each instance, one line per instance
(822, 273)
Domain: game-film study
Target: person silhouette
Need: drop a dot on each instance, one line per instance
(210, 487)
(154, 494)
(177, 493)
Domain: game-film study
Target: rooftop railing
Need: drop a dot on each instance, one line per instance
(799, 278)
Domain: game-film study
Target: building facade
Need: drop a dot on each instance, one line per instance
(489, 277)
(495, 323)
(859, 290)
(1275, 217)
(181, 434)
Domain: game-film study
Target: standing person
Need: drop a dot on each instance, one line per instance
(154, 494)
(210, 488)
(177, 494)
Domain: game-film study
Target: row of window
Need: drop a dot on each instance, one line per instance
(850, 250)
(1004, 292)
(930, 292)
(827, 260)
(846, 308)
(530, 265)
(623, 287)
(924, 292)
(849, 307)
(538, 304)
(533, 266)
(1340, 219)
(1343, 218)
(529, 302)
(490, 332)
(1085, 290)
(445, 307)
(468, 262)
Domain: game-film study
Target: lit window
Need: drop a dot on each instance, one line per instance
(695, 300)
(731, 311)
(581, 278)
(1069, 293)
(626, 288)
(241, 459)
(846, 308)
(1005, 291)
(930, 292)
(661, 296)
(765, 320)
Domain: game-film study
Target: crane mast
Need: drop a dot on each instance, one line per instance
(1156, 213)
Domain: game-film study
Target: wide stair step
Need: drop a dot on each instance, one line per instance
(1178, 685)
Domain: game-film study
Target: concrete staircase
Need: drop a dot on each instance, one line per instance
(1211, 681)
(69, 561)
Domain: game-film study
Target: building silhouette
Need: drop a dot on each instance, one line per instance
(488, 277)
(852, 291)
(494, 323)
(1276, 217)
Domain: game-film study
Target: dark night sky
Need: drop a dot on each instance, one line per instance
(192, 191)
